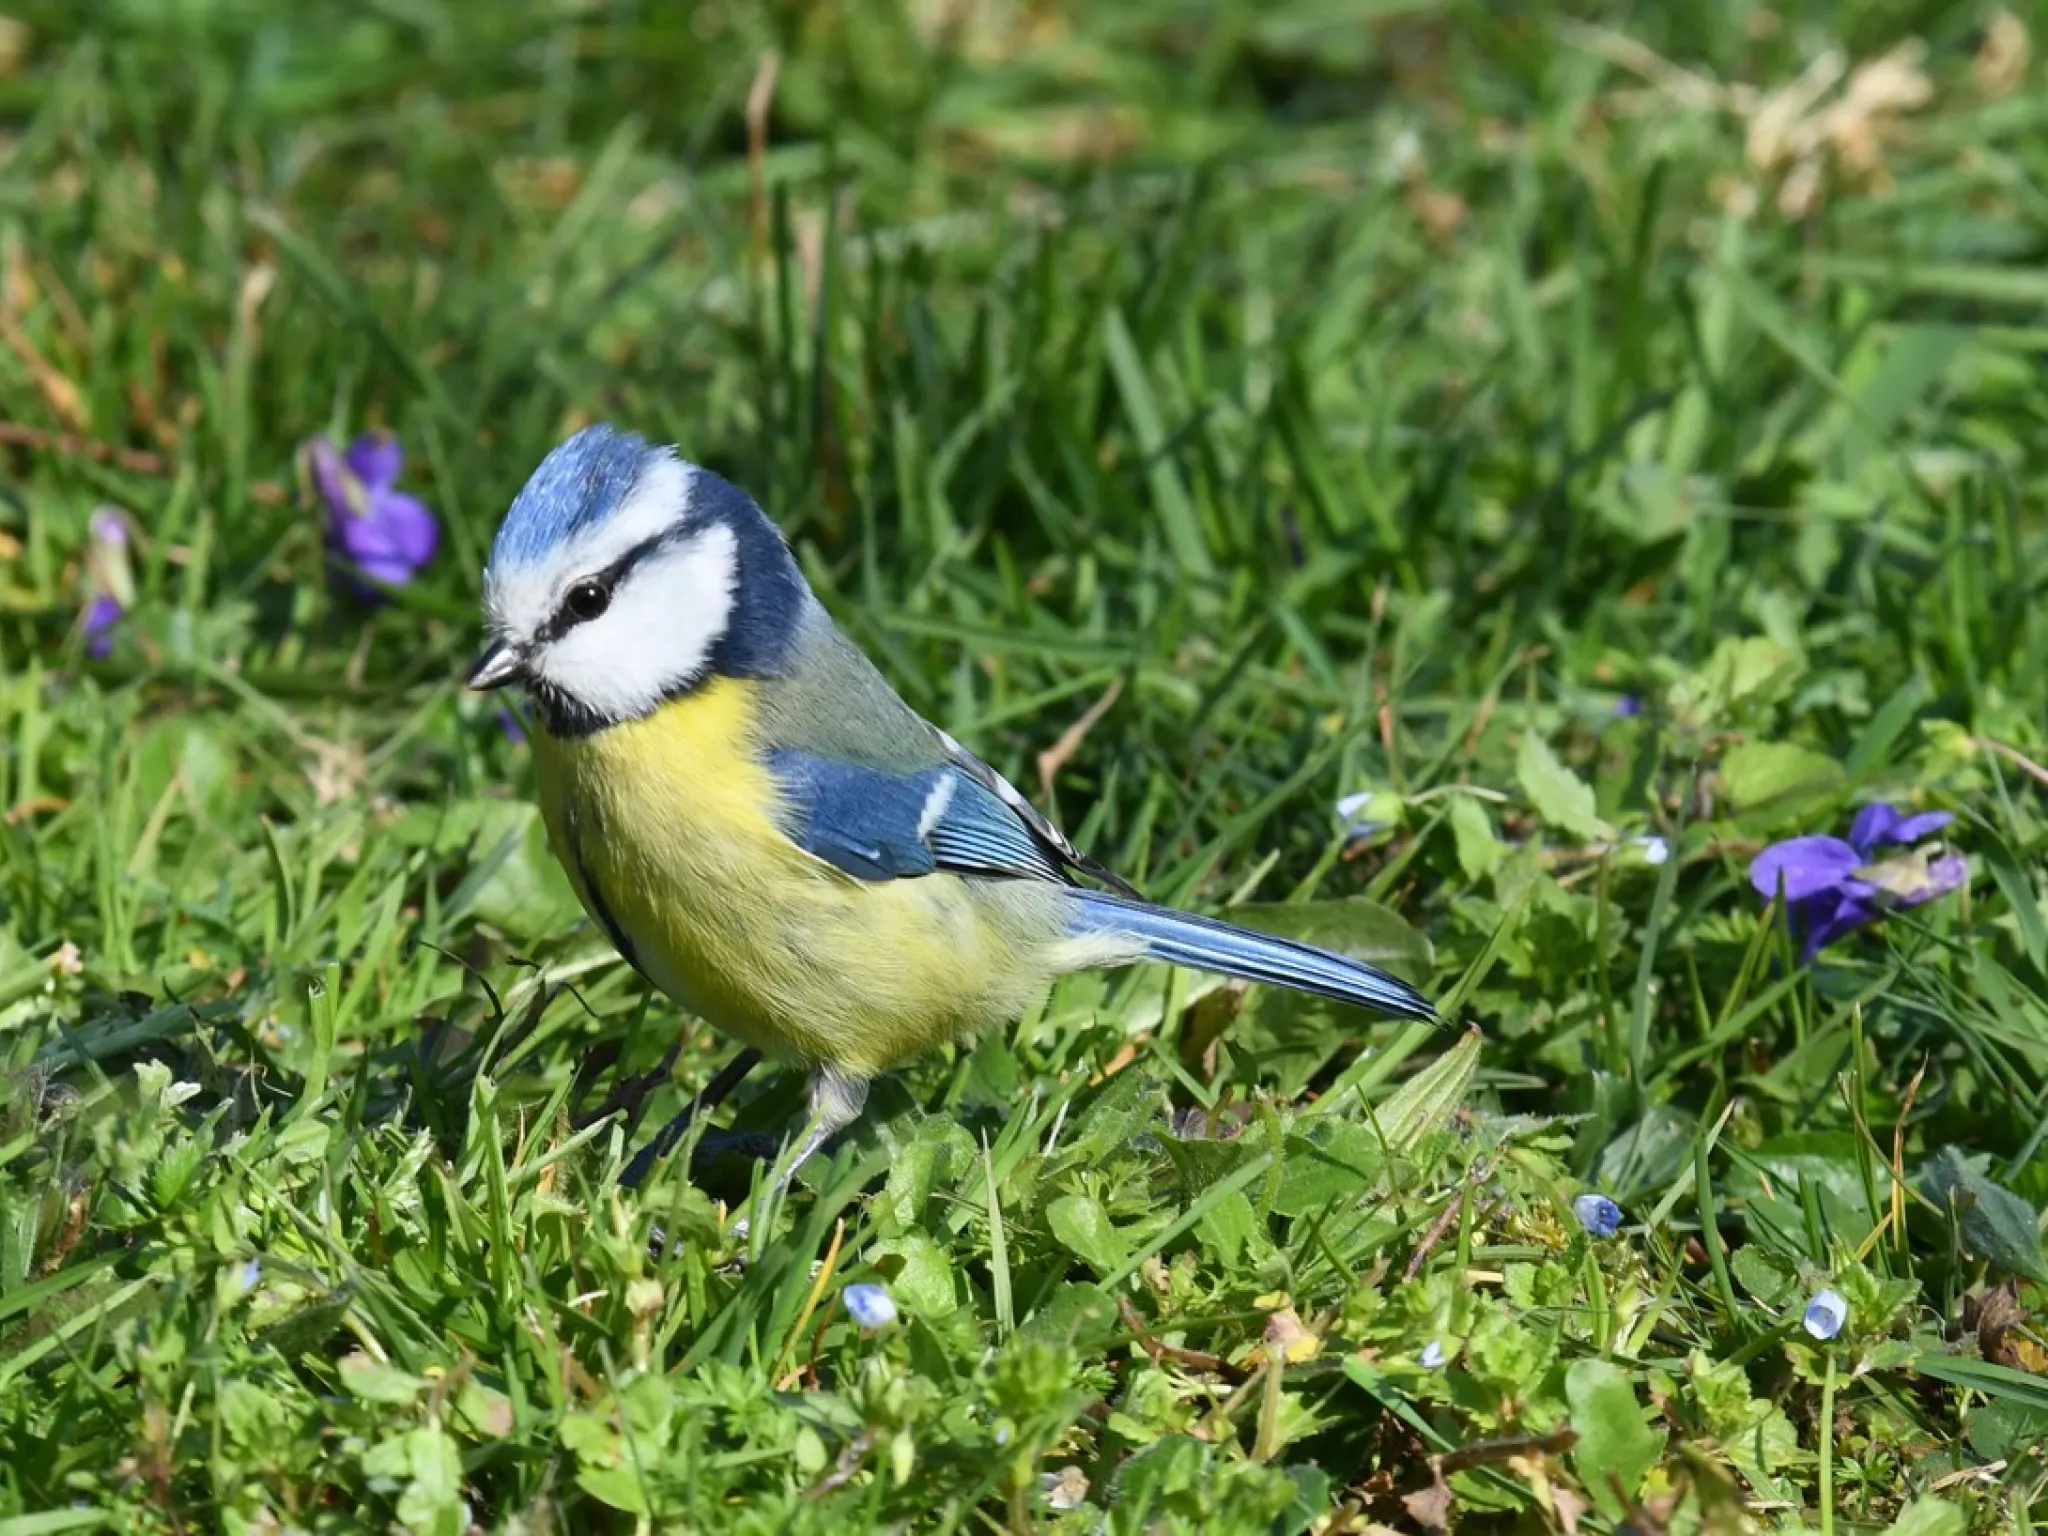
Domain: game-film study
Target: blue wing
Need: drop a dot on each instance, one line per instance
(878, 825)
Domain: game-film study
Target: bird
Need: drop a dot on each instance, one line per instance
(762, 826)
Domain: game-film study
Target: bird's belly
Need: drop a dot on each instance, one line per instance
(667, 828)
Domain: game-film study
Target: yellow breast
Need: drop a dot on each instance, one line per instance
(667, 826)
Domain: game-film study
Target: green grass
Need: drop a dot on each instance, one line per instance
(1376, 404)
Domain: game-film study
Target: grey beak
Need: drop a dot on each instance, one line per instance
(499, 665)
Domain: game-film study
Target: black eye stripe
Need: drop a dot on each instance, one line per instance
(565, 618)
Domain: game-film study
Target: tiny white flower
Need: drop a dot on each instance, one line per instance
(1403, 154)
(252, 1275)
(1432, 1355)
(1656, 850)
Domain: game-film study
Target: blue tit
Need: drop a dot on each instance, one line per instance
(763, 827)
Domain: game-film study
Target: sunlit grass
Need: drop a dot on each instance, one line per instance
(1460, 410)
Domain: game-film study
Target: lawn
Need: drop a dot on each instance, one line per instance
(1460, 482)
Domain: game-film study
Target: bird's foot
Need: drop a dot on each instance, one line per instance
(631, 1094)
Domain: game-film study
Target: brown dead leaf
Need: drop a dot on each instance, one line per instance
(1780, 125)
(1067, 1488)
(760, 97)
(64, 398)
(1430, 1508)
(14, 40)
(1879, 91)
(337, 771)
(1056, 756)
(1438, 212)
(2002, 58)
(986, 31)
(1087, 134)
(256, 285)
(1289, 1338)
(1570, 1507)
(542, 182)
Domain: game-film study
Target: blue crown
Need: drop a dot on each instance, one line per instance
(577, 486)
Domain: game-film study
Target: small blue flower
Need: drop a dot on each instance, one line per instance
(509, 724)
(1432, 1355)
(1833, 887)
(1599, 1215)
(1825, 1315)
(1627, 707)
(252, 1275)
(869, 1305)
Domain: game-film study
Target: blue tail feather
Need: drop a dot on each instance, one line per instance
(1205, 944)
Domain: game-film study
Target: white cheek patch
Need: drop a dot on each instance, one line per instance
(522, 598)
(656, 636)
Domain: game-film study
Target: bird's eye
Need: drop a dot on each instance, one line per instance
(587, 599)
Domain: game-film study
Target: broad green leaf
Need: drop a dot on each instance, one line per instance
(1741, 683)
(623, 1488)
(1930, 1515)
(1332, 1165)
(371, 1381)
(1201, 1161)
(920, 1274)
(432, 1502)
(1770, 1278)
(1999, 1429)
(1561, 797)
(1083, 1228)
(1614, 1441)
(515, 884)
(1770, 772)
(1082, 1315)
(1426, 1102)
(1167, 1466)
(1650, 1151)
(1479, 849)
(1996, 1223)
(1230, 1227)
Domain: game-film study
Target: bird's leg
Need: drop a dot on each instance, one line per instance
(715, 1093)
(629, 1093)
(588, 1070)
(837, 1098)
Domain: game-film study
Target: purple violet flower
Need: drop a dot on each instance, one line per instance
(101, 615)
(1834, 887)
(376, 532)
(110, 580)
(1627, 707)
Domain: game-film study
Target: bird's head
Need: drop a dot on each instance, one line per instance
(623, 576)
